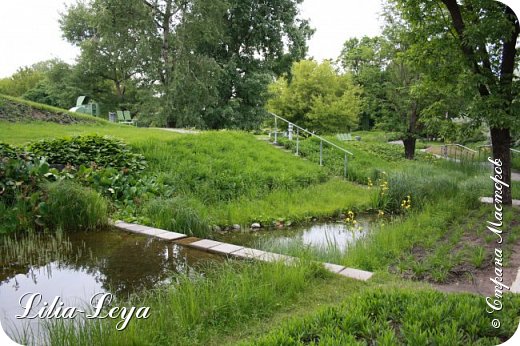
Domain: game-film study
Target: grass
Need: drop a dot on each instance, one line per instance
(194, 308)
(20, 133)
(399, 317)
(230, 177)
(222, 166)
(297, 205)
(72, 207)
(18, 108)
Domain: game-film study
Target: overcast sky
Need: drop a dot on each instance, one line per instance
(29, 29)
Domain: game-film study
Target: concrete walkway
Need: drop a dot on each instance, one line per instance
(235, 251)
(489, 200)
(182, 131)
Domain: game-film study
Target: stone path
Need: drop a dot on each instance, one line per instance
(235, 250)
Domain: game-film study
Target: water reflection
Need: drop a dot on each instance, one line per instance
(337, 235)
(104, 261)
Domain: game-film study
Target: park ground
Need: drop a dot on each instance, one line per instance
(430, 239)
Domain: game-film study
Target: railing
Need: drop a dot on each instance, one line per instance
(445, 149)
(293, 126)
(480, 147)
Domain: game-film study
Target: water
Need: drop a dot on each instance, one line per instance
(88, 263)
(338, 235)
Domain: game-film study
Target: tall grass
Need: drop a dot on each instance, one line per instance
(193, 308)
(296, 205)
(179, 214)
(222, 166)
(72, 207)
(400, 317)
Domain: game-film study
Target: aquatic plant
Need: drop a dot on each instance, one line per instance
(72, 207)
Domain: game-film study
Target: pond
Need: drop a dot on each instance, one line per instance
(79, 265)
(337, 235)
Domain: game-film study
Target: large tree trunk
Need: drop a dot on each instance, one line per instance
(501, 140)
(409, 147)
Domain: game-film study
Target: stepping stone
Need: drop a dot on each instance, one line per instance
(335, 268)
(154, 232)
(139, 229)
(226, 248)
(171, 236)
(248, 253)
(515, 287)
(356, 274)
(274, 257)
(187, 240)
(206, 244)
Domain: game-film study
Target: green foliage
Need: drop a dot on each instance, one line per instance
(15, 109)
(317, 97)
(59, 86)
(400, 317)
(366, 59)
(7, 151)
(110, 35)
(72, 207)
(89, 150)
(24, 79)
(179, 214)
(223, 166)
(190, 63)
(195, 307)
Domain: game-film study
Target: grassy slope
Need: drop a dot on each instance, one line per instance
(16, 108)
(237, 178)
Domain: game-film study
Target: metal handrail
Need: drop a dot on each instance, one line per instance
(310, 133)
(298, 128)
(461, 146)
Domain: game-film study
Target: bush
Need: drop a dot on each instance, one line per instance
(72, 207)
(87, 150)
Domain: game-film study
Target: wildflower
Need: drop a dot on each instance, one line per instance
(406, 203)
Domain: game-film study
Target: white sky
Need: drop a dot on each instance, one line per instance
(29, 29)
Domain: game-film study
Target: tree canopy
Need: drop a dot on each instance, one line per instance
(317, 97)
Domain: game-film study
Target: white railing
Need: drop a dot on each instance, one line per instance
(322, 140)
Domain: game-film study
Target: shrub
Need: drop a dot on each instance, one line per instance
(7, 151)
(72, 207)
(87, 150)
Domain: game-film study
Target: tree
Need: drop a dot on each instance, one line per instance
(486, 34)
(367, 59)
(58, 87)
(317, 97)
(24, 79)
(256, 41)
(111, 34)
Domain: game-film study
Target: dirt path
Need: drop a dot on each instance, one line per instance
(479, 281)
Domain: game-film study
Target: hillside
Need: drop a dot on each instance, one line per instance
(16, 109)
